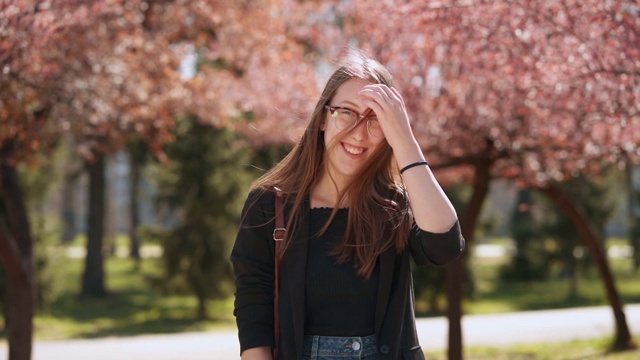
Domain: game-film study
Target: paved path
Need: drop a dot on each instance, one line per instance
(491, 330)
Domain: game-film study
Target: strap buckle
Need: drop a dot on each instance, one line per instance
(278, 234)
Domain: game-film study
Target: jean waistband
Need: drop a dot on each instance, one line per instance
(339, 346)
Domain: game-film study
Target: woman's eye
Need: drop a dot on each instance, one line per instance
(347, 112)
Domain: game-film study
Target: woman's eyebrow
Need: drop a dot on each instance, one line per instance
(349, 102)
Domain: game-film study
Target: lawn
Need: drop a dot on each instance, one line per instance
(493, 296)
(134, 307)
(574, 350)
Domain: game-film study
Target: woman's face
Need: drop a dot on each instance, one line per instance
(347, 152)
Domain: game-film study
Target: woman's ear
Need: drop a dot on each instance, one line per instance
(323, 125)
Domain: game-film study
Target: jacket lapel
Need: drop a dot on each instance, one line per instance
(384, 287)
(295, 266)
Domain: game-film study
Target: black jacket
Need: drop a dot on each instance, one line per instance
(253, 262)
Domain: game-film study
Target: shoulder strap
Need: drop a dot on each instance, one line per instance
(279, 231)
(278, 236)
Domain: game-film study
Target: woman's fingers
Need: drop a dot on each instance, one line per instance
(389, 107)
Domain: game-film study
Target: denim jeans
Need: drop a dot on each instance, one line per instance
(339, 348)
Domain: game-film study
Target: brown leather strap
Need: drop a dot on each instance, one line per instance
(278, 236)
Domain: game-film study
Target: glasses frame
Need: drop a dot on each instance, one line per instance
(368, 113)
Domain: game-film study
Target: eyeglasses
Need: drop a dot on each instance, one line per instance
(346, 119)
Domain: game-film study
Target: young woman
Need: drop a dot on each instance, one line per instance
(360, 201)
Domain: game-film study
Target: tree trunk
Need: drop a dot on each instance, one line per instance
(72, 173)
(16, 253)
(634, 226)
(93, 277)
(202, 312)
(68, 212)
(109, 219)
(455, 280)
(455, 271)
(572, 268)
(623, 339)
(134, 218)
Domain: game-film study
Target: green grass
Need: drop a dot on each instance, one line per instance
(493, 296)
(574, 350)
(131, 307)
(134, 307)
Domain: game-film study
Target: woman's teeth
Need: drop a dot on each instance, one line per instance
(353, 150)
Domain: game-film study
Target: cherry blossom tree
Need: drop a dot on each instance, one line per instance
(533, 91)
(104, 72)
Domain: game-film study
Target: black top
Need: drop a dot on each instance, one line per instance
(338, 302)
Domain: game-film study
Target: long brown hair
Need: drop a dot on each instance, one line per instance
(379, 216)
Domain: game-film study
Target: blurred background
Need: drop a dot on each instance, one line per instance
(130, 132)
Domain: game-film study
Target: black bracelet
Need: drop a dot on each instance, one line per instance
(417, 163)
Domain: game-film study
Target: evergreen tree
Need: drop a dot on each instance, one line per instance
(204, 184)
(529, 262)
(597, 200)
(546, 240)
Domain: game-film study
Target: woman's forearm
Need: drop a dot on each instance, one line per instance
(431, 207)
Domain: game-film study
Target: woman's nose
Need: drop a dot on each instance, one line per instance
(360, 132)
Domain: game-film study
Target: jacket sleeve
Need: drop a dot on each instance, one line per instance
(429, 248)
(252, 257)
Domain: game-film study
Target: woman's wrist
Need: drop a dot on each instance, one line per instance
(409, 153)
(414, 164)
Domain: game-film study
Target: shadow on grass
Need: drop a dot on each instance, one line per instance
(556, 295)
(130, 313)
(132, 307)
(492, 295)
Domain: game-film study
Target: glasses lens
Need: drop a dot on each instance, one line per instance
(344, 118)
(373, 126)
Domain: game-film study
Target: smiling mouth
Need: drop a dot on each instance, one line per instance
(353, 150)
